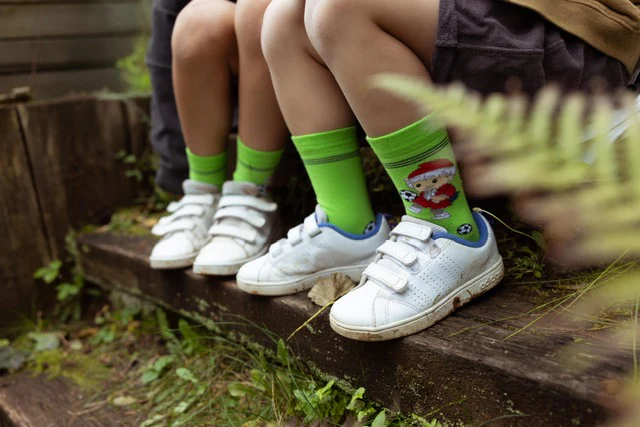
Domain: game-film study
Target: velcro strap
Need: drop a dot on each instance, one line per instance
(239, 233)
(385, 277)
(415, 231)
(398, 252)
(192, 199)
(242, 214)
(179, 225)
(191, 210)
(248, 201)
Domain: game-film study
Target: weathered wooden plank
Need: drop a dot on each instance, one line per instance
(21, 56)
(68, 19)
(24, 245)
(73, 145)
(474, 376)
(52, 84)
(36, 401)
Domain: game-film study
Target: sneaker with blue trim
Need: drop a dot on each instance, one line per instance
(420, 275)
(311, 251)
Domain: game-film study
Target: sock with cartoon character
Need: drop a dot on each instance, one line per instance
(332, 160)
(420, 161)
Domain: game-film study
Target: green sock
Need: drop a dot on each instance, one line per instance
(254, 165)
(208, 169)
(332, 160)
(421, 163)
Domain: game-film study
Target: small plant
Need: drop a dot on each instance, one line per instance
(134, 69)
(69, 285)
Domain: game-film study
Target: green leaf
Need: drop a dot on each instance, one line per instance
(45, 341)
(124, 401)
(163, 362)
(325, 390)
(356, 398)
(380, 420)
(49, 273)
(240, 390)
(186, 375)
(283, 352)
(66, 291)
(182, 406)
(129, 159)
(149, 376)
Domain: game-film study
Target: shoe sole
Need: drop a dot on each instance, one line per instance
(172, 264)
(224, 269)
(456, 299)
(303, 284)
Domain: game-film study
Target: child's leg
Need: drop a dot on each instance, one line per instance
(204, 55)
(318, 116)
(332, 240)
(361, 38)
(261, 128)
(244, 225)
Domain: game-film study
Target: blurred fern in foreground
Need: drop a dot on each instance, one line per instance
(572, 165)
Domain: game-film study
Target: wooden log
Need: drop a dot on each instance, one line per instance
(21, 56)
(72, 19)
(24, 245)
(52, 84)
(37, 401)
(472, 376)
(73, 145)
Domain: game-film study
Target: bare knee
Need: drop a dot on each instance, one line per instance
(283, 29)
(203, 29)
(248, 23)
(328, 22)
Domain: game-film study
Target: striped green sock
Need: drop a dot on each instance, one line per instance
(255, 166)
(208, 169)
(421, 163)
(332, 160)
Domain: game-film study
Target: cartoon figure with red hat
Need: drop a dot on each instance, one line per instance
(433, 189)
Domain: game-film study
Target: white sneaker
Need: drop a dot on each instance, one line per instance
(421, 275)
(243, 228)
(312, 250)
(184, 232)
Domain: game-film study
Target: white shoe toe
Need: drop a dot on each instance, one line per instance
(176, 246)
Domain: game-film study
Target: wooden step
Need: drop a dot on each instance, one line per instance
(28, 400)
(472, 376)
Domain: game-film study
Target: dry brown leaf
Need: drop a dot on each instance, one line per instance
(328, 289)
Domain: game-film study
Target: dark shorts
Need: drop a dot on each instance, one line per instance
(490, 44)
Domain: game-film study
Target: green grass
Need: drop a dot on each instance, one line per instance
(185, 374)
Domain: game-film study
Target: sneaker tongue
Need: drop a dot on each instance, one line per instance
(195, 187)
(435, 227)
(234, 188)
(321, 215)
